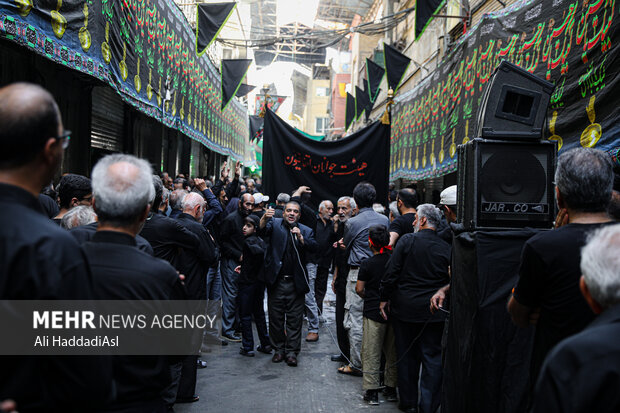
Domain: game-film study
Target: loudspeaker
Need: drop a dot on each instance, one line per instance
(514, 105)
(504, 184)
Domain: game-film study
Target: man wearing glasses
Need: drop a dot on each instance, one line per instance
(39, 259)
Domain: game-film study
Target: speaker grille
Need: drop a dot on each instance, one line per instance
(512, 175)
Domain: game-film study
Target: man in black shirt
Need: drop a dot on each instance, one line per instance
(548, 286)
(406, 202)
(194, 264)
(231, 237)
(582, 373)
(378, 335)
(40, 261)
(123, 190)
(286, 279)
(419, 266)
(85, 233)
(346, 205)
(325, 238)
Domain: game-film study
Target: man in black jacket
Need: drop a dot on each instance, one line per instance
(231, 237)
(286, 278)
(39, 259)
(122, 195)
(419, 266)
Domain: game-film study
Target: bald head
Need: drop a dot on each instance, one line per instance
(29, 117)
(122, 188)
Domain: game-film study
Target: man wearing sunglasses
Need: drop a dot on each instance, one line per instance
(40, 260)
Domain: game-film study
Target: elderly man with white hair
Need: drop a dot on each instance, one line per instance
(122, 196)
(582, 373)
(418, 267)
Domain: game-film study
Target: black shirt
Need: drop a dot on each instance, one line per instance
(194, 264)
(582, 373)
(85, 233)
(167, 236)
(231, 236)
(403, 224)
(122, 272)
(325, 237)
(341, 258)
(289, 259)
(549, 279)
(50, 207)
(418, 268)
(371, 271)
(41, 261)
(253, 257)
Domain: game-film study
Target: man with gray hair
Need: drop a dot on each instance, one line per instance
(176, 202)
(547, 293)
(582, 373)
(122, 195)
(77, 216)
(281, 200)
(194, 264)
(418, 267)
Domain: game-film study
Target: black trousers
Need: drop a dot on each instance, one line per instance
(425, 351)
(286, 311)
(250, 303)
(341, 333)
(320, 286)
(187, 385)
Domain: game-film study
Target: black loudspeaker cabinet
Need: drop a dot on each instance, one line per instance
(514, 105)
(506, 184)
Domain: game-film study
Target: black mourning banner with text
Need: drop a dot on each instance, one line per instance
(573, 44)
(350, 111)
(396, 65)
(244, 90)
(374, 76)
(210, 18)
(233, 72)
(424, 10)
(330, 168)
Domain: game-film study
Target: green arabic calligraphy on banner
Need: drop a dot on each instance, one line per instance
(570, 43)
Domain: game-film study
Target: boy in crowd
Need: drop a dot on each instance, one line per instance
(378, 335)
(252, 290)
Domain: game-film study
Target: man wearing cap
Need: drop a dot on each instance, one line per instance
(259, 204)
(447, 204)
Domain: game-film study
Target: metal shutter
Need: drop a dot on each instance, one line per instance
(107, 120)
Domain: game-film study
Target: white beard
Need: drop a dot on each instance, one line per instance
(416, 227)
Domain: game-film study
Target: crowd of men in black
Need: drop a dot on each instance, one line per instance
(126, 234)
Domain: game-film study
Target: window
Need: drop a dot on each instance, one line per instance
(322, 91)
(321, 125)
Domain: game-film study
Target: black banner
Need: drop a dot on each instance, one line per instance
(350, 111)
(244, 90)
(570, 43)
(233, 73)
(256, 128)
(134, 46)
(396, 65)
(374, 76)
(330, 168)
(361, 102)
(424, 10)
(210, 18)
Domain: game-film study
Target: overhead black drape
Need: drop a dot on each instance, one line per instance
(350, 111)
(362, 102)
(330, 168)
(244, 90)
(233, 72)
(374, 75)
(369, 103)
(396, 65)
(210, 18)
(424, 10)
(256, 128)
